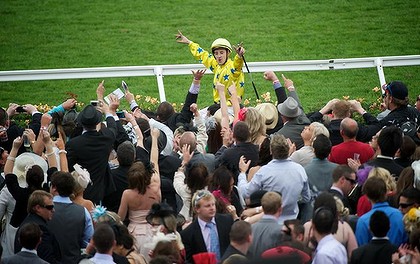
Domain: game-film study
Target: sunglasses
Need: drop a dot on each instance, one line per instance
(405, 205)
(387, 90)
(353, 182)
(288, 231)
(48, 206)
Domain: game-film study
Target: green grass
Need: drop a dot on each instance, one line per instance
(95, 33)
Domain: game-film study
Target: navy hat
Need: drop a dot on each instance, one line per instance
(255, 198)
(397, 90)
(89, 116)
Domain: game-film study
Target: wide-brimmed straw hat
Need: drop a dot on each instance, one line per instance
(24, 162)
(269, 111)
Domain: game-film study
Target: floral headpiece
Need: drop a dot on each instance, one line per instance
(416, 167)
(242, 114)
(97, 212)
(412, 219)
(84, 176)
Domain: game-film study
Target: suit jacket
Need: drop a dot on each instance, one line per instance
(48, 249)
(91, 151)
(23, 257)
(185, 115)
(112, 200)
(230, 157)
(344, 199)
(293, 128)
(388, 164)
(193, 239)
(377, 251)
(266, 234)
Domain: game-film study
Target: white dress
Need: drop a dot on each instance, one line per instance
(7, 206)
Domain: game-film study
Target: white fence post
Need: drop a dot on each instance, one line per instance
(159, 77)
(380, 69)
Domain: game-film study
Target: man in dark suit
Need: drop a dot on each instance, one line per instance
(379, 249)
(30, 238)
(91, 149)
(126, 153)
(40, 212)
(229, 157)
(389, 141)
(240, 240)
(294, 120)
(199, 236)
(344, 180)
(189, 138)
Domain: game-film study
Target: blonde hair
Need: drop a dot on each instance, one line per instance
(78, 189)
(385, 175)
(319, 129)
(256, 124)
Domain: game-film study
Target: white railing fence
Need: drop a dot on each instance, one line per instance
(185, 69)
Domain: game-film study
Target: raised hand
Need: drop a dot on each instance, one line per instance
(17, 143)
(69, 103)
(270, 76)
(46, 120)
(220, 88)
(243, 164)
(186, 155)
(100, 91)
(129, 96)
(59, 143)
(194, 109)
(11, 110)
(288, 83)
(30, 109)
(198, 74)
(114, 103)
(240, 50)
(155, 132)
(180, 38)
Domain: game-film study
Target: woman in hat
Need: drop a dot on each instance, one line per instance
(167, 221)
(27, 166)
(225, 70)
(125, 242)
(82, 179)
(143, 191)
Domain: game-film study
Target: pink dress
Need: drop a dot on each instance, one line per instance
(140, 230)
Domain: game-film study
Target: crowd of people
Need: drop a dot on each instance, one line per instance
(234, 185)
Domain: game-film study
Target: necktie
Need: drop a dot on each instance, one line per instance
(214, 240)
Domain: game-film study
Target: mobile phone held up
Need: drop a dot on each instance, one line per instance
(94, 103)
(124, 86)
(20, 109)
(120, 114)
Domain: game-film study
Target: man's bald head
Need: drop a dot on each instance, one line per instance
(349, 128)
(188, 138)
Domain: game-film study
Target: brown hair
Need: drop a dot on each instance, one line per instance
(271, 202)
(37, 198)
(139, 177)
